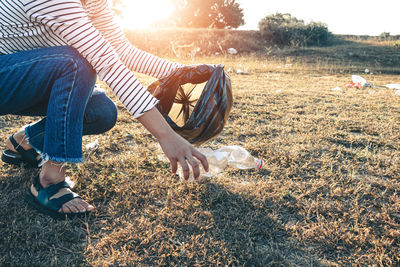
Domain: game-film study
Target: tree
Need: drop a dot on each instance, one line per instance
(219, 14)
(283, 29)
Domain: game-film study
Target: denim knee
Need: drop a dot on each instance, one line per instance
(101, 114)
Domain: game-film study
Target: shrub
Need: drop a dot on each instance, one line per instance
(397, 44)
(384, 35)
(283, 29)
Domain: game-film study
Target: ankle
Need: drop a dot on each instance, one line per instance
(52, 173)
(21, 139)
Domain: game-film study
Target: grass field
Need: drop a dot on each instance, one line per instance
(329, 194)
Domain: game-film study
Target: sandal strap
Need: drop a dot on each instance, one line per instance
(57, 203)
(29, 155)
(44, 194)
(52, 189)
(36, 183)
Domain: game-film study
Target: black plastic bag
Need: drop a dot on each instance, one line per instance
(202, 118)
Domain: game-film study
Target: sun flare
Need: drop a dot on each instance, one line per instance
(141, 14)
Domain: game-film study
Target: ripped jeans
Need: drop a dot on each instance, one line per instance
(55, 82)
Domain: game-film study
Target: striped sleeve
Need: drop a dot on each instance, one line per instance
(68, 20)
(134, 58)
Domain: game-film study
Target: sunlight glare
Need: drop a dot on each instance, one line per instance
(141, 14)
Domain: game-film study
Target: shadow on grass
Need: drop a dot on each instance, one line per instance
(246, 230)
(28, 238)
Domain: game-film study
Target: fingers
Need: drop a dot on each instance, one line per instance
(185, 168)
(174, 165)
(195, 166)
(189, 158)
(202, 159)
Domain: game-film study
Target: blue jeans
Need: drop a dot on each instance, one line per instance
(56, 82)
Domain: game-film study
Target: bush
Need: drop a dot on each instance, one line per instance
(283, 29)
(397, 44)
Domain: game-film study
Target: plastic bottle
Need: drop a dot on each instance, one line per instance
(218, 160)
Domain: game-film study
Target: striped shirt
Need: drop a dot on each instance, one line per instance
(92, 30)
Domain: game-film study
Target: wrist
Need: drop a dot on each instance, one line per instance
(153, 121)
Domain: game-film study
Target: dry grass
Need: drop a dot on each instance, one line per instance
(328, 196)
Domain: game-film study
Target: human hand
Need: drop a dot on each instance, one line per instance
(177, 149)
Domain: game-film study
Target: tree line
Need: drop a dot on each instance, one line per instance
(279, 29)
(219, 14)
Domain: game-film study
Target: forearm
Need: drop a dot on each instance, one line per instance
(155, 123)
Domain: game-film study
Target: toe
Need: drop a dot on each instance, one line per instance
(65, 209)
(72, 207)
(87, 206)
(81, 208)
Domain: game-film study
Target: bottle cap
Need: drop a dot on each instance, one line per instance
(260, 163)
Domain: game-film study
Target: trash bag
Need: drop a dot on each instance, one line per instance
(202, 111)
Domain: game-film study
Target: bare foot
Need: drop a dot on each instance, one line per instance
(53, 173)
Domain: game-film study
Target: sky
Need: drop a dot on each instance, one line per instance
(342, 17)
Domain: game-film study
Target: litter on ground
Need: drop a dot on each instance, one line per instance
(241, 72)
(358, 82)
(393, 86)
(232, 51)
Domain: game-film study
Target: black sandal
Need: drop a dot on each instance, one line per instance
(22, 156)
(48, 206)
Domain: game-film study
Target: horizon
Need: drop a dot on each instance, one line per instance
(341, 17)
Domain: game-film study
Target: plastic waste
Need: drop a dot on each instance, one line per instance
(337, 88)
(197, 113)
(358, 79)
(93, 145)
(393, 86)
(358, 82)
(218, 160)
(241, 72)
(232, 51)
(354, 85)
(70, 182)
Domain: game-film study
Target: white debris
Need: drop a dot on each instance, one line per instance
(241, 72)
(337, 88)
(69, 182)
(278, 91)
(229, 70)
(97, 88)
(359, 79)
(232, 51)
(397, 93)
(217, 53)
(366, 71)
(393, 86)
(93, 145)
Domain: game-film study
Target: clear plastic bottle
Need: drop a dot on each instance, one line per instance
(218, 160)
